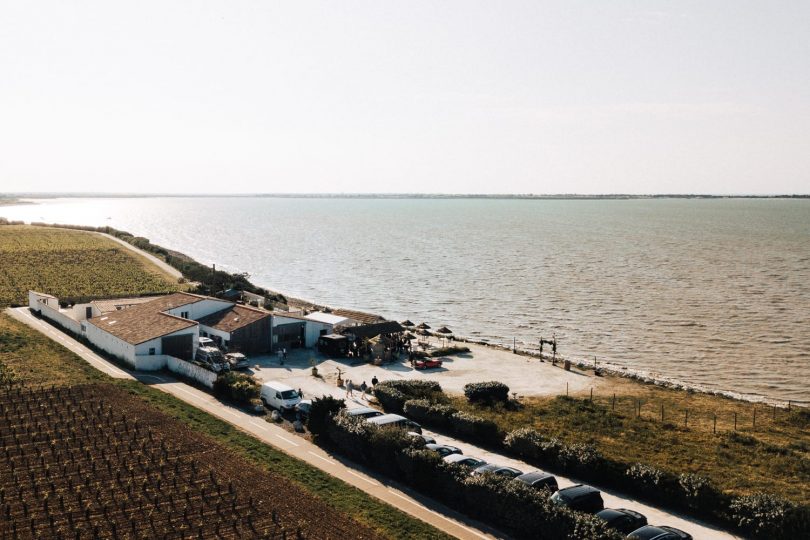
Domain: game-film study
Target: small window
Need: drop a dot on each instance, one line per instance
(184, 314)
(151, 351)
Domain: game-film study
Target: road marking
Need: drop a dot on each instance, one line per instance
(286, 439)
(420, 505)
(258, 425)
(361, 477)
(321, 457)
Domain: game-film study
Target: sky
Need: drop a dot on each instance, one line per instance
(405, 97)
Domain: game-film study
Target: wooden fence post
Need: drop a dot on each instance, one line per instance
(686, 419)
(614, 402)
(662, 412)
(735, 421)
(714, 429)
(591, 394)
(755, 417)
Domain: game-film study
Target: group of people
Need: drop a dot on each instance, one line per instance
(350, 387)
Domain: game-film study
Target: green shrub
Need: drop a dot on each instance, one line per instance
(425, 412)
(238, 387)
(447, 351)
(392, 395)
(391, 399)
(351, 435)
(761, 513)
(322, 409)
(486, 392)
(476, 428)
(646, 475)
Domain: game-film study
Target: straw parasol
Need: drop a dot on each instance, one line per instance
(423, 326)
(409, 336)
(407, 323)
(445, 333)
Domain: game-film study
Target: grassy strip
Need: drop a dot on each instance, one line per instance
(34, 359)
(773, 457)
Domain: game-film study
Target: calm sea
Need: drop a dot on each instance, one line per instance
(714, 293)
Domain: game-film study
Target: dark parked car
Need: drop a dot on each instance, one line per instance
(426, 438)
(539, 480)
(623, 520)
(303, 407)
(497, 469)
(659, 533)
(443, 449)
(580, 497)
(466, 461)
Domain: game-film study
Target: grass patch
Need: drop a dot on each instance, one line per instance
(773, 457)
(71, 264)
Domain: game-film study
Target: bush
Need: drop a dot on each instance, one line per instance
(761, 513)
(237, 387)
(486, 392)
(392, 395)
(322, 409)
(425, 412)
(645, 475)
(447, 351)
(476, 428)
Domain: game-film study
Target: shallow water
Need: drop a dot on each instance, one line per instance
(714, 293)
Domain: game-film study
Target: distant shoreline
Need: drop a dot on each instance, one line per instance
(16, 198)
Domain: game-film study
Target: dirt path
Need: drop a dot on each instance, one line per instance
(165, 267)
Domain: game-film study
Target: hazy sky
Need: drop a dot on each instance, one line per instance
(340, 96)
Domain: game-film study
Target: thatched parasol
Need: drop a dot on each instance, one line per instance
(407, 324)
(423, 326)
(444, 330)
(409, 336)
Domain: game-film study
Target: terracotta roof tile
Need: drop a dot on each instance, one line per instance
(233, 318)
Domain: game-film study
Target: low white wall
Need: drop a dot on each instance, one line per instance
(151, 362)
(63, 320)
(111, 344)
(192, 371)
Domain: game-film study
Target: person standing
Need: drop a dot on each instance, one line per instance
(374, 381)
(363, 388)
(349, 388)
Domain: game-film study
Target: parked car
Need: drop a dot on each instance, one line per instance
(207, 342)
(443, 449)
(427, 438)
(303, 407)
(623, 520)
(277, 395)
(363, 412)
(493, 468)
(427, 363)
(539, 480)
(237, 360)
(211, 358)
(580, 497)
(395, 420)
(649, 532)
(466, 461)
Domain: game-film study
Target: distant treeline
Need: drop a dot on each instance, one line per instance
(529, 196)
(210, 281)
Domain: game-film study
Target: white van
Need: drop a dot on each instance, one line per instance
(276, 395)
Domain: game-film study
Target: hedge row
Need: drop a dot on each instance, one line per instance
(392, 395)
(453, 421)
(506, 504)
(759, 515)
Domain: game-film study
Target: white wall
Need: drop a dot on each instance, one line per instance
(312, 331)
(200, 309)
(49, 308)
(150, 362)
(111, 344)
(80, 311)
(191, 371)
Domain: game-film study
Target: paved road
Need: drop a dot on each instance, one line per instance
(402, 498)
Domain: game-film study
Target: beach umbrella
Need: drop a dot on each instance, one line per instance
(406, 323)
(409, 336)
(445, 333)
(423, 332)
(423, 326)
